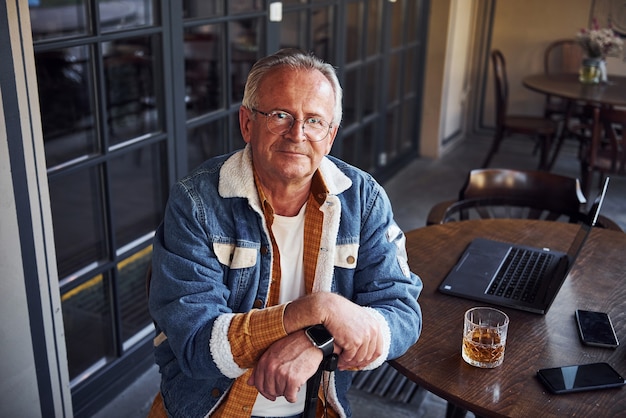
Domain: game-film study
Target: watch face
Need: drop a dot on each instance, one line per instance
(319, 334)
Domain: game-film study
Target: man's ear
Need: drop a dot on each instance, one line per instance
(245, 119)
(332, 135)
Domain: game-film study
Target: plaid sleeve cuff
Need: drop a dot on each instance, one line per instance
(251, 333)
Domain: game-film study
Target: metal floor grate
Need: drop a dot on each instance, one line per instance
(388, 383)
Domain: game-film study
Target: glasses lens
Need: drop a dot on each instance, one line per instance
(281, 122)
(316, 129)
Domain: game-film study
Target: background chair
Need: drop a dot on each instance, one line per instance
(543, 130)
(605, 153)
(573, 118)
(503, 193)
(562, 56)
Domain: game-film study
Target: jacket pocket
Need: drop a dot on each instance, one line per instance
(346, 255)
(235, 257)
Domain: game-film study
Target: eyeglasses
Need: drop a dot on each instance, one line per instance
(279, 123)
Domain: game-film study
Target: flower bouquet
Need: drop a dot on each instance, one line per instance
(598, 44)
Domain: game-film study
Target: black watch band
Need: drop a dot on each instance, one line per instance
(321, 338)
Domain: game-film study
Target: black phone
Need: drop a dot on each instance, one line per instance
(580, 377)
(595, 328)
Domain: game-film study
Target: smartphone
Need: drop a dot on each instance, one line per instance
(579, 378)
(595, 328)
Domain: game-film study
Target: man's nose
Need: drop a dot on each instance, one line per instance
(297, 130)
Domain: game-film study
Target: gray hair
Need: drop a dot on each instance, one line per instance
(296, 59)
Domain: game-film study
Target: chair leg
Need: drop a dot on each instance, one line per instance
(495, 145)
(546, 144)
(557, 149)
(586, 178)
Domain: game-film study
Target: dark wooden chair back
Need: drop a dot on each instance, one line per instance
(501, 86)
(562, 56)
(504, 193)
(540, 129)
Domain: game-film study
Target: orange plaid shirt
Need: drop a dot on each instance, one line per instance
(252, 332)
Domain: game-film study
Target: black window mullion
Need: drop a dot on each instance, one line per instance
(177, 147)
(111, 244)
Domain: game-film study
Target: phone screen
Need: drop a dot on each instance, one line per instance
(580, 377)
(596, 328)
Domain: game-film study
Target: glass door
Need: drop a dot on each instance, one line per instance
(378, 47)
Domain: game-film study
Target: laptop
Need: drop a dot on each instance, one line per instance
(513, 275)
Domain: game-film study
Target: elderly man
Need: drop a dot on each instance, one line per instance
(272, 258)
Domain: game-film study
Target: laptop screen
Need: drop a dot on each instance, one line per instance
(586, 227)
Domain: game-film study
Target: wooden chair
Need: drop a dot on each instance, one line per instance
(605, 153)
(562, 56)
(503, 193)
(541, 129)
(573, 118)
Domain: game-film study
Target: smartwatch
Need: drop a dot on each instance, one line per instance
(321, 338)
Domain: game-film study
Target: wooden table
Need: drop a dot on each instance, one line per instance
(567, 86)
(597, 282)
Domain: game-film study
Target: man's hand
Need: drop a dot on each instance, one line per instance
(357, 333)
(358, 337)
(285, 367)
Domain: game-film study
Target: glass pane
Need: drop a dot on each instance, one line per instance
(64, 77)
(245, 52)
(350, 148)
(410, 72)
(394, 77)
(87, 324)
(138, 190)
(131, 98)
(372, 83)
(202, 8)
(354, 30)
(413, 16)
(132, 293)
(351, 97)
(204, 69)
(392, 137)
(205, 142)
(240, 6)
(115, 15)
(373, 34)
(397, 23)
(358, 148)
(237, 138)
(294, 30)
(78, 219)
(366, 149)
(322, 25)
(54, 18)
(409, 125)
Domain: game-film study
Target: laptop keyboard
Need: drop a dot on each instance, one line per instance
(520, 275)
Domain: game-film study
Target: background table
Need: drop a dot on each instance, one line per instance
(597, 282)
(567, 86)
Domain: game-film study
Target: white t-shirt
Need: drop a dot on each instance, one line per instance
(289, 235)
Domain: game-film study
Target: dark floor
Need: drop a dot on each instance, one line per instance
(413, 191)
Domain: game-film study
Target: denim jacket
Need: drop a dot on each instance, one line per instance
(212, 258)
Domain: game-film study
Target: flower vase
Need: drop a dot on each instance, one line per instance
(604, 78)
(590, 71)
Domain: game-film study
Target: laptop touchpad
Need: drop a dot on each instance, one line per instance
(478, 264)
